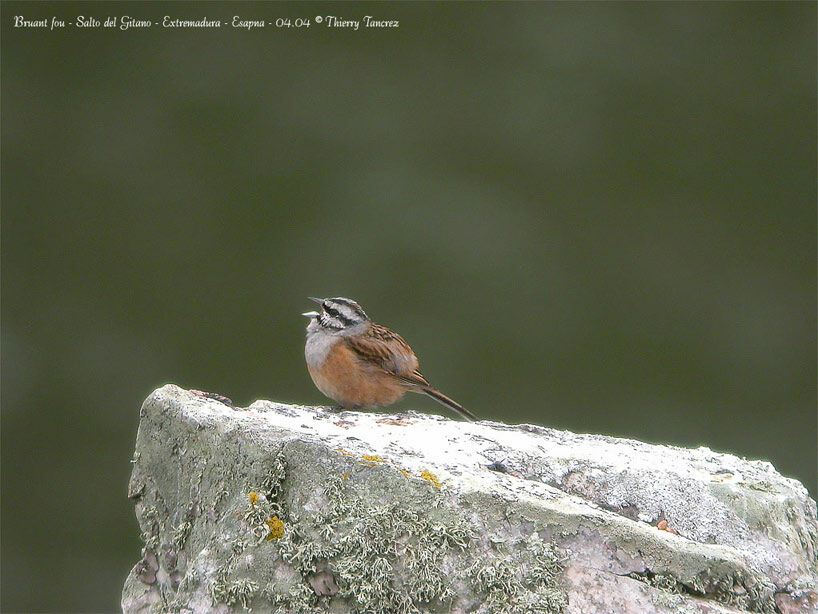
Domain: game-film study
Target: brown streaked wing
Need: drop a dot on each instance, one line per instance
(376, 331)
(372, 352)
(388, 351)
(415, 378)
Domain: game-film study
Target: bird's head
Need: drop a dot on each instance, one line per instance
(337, 315)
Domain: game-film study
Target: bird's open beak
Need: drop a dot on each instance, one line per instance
(313, 314)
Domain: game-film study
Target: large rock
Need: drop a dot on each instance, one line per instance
(298, 509)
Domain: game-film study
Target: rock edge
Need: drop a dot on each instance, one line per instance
(284, 508)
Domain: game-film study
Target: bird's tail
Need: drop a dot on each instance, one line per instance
(451, 404)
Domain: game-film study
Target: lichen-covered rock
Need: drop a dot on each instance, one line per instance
(282, 508)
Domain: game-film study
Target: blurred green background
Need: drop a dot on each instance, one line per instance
(597, 217)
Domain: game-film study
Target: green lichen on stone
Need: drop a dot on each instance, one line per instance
(241, 591)
(173, 606)
(299, 599)
(662, 581)
(401, 556)
(736, 590)
(259, 510)
(747, 593)
(151, 536)
(273, 483)
(258, 516)
(221, 494)
(390, 545)
(526, 579)
(180, 534)
(374, 544)
(673, 601)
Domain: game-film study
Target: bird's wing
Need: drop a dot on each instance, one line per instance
(415, 378)
(387, 351)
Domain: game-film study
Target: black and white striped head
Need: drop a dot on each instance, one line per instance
(337, 314)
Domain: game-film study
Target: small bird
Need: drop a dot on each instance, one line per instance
(360, 364)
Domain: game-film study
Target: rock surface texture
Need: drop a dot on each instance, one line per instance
(283, 508)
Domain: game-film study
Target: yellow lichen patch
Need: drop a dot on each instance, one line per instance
(253, 498)
(276, 527)
(343, 452)
(404, 472)
(344, 476)
(430, 477)
(373, 458)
